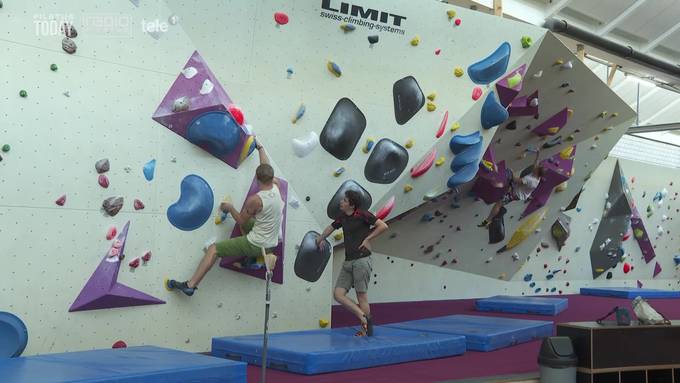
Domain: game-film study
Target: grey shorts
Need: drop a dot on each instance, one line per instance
(355, 273)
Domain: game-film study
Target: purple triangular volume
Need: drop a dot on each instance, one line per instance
(636, 223)
(486, 179)
(657, 269)
(102, 290)
(557, 170)
(216, 100)
(521, 106)
(557, 121)
(505, 93)
(277, 277)
(639, 284)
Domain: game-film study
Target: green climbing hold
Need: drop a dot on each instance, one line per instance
(54, 67)
(638, 233)
(23, 93)
(514, 80)
(526, 41)
(6, 148)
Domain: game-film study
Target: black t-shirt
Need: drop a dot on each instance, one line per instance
(356, 228)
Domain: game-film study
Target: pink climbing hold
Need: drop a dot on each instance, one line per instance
(134, 263)
(119, 344)
(457, 22)
(386, 209)
(237, 113)
(103, 181)
(424, 165)
(626, 268)
(139, 205)
(442, 126)
(626, 236)
(147, 256)
(61, 200)
(111, 233)
(476, 93)
(114, 252)
(437, 51)
(281, 18)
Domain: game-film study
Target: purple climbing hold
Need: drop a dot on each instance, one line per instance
(112, 205)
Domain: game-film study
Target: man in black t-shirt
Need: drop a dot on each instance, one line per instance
(356, 271)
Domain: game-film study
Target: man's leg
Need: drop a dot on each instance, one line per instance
(340, 295)
(204, 266)
(362, 277)
(493, 213)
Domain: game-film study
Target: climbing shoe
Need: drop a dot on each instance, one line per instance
(172, 284)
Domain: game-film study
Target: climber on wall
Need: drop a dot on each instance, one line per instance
(260, 221)
(358, 266)
(518, 189)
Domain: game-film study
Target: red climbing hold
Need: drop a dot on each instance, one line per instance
(424, 165)
(147, 256)
(437, 51)
(442, 126)
(386, 209)
(103, 181)
(119, 344)
(458, 21)
(139, 205)
(61, 200)
(476, 93)
(281, 18)
(134, 263)
(111, 233)
(237, 113)
(626, 268)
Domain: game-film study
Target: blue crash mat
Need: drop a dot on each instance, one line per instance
(319, 351)
(482, 333)
(146, 364)
(629, 292)
(522, 305)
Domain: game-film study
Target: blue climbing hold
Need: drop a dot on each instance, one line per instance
(13, 335)
(553, 289)
(427, 217)
(532, 284)
(493, 113)
(149, 170)
(676, 259)
(549, 276)
(469, 156)
(538, 290)
(194, 206)
(459, 142)
(577, 249)
(464, 175)
(528, 277)
(216, 132)
(492, 67)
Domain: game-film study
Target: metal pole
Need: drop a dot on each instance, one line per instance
(266, 325)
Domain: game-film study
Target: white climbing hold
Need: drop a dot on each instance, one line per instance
(305, 145)
(173, 19)
(534, 102)
(595, 221)
(189, 72)
(294, 203)
(67, 94)
(538, 74)
(567, 65)
(275, 315)
(608, 205)
(181, 104)
(207, 87)
(515, 257)
(237, 316)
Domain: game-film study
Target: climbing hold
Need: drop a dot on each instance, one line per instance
(281, 18)
(457, 22)
(527, 41)
(61, 200)
(538, 74)
(206, 87)
(369, 145)
(415, 41)
(437, 51)
(626, 268)
(134, 263)
(545, 245)
(608, 128)
(194, 206)
(338, 235)
(529, 225)
(69, 30)
(528, 277)
(567, 65)
(338, 171)
(491, 67)
(558, 62)
(112, 205)
(427, 217)
(440, 161)
(409, 143)
(181, 104)
(23, 93)
(119, 344)
(385, 211)
(432, 96)
(323, 323)
(5, 148)
(442, 125)
(149, 170)
(147, 256)
(407, 188)
(173, 19)
(593, 146)
(514, 80)
(300, 112)
(69, 46)
(424, 165)
(458, 71)
(334, 68)
(305, 145)
(455, 126)
(236, 113)
(451, 13)
(564, 85)
(289, 72)
(111, 233)
(476, 93)
(347, 27)
(431, 107)
(139, 205)
(493, 113)
(54, 67)
(603, 114)
(373, 39)
(103, 181)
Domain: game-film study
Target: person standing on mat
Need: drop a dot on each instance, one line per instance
(260, 222)
(519, 189)
(356, 270)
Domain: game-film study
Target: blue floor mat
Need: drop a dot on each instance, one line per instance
(482, 333)
(319, 351)
(522, 305)
(629, 292)
(146, 364)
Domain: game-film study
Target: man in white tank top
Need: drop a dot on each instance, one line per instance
(260, 220)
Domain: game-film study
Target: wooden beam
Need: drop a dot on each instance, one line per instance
(498, 8)
(581, 51)
(612, 72)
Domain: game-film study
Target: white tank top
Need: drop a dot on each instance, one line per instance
(265, 232)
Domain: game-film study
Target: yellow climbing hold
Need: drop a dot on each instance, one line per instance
(409, 143)
(415, 41)
(558, 62)
(250, 140)
(440, 161)
(455, 126)
(338, 235)
(596, 138)
(561, 187)
(603, 114)
(570, 112)
(458, 71)
(431, 107)
(615, 114)
(432, 96)
(554, 129)
(451, 14)
(607, 128)
(488, 164)
(323, 323)
(567, 152)
(407, 188)
(369, 145)
(524, 230)
(599, 270)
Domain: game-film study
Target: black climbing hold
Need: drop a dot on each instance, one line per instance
(428, 250)
(343, 129)
(373, 39)
(408, 99)
(512, 125)
(308, 198)
(564, 85)
(387, 161)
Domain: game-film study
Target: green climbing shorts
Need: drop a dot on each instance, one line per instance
(239, 246)
(355, 273)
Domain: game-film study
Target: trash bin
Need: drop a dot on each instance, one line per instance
(557, 360)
